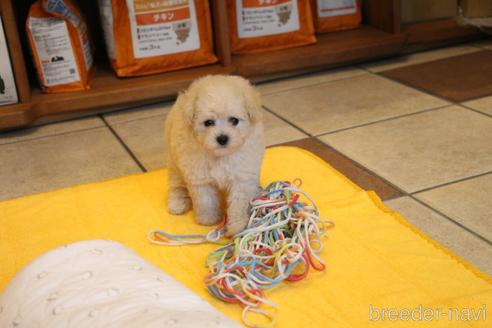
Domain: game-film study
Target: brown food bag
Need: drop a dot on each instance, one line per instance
(336, 15)
(60, 45)
(152, 36)
(262, 25)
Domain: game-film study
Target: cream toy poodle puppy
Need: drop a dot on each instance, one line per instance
(214, 136)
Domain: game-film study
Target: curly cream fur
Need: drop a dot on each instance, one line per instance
(200, 169)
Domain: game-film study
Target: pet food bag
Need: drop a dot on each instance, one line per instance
(8, 91)
(260, 25)
(336, 15)
(152, 36)
(60, 45)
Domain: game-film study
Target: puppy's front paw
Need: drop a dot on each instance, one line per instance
(235, 227)
(178, 205)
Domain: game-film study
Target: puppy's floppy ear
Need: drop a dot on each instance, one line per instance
(187, 102)
(252, 100)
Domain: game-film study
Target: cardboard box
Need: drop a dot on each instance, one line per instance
(8, 92)
(476, 8)
(422, 10)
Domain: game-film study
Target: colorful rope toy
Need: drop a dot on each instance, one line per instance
(214, 236)
(281, 242)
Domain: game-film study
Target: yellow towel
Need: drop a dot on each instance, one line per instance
(378, 266)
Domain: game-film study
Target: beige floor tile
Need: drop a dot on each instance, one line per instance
(308, 80)
(60, 161)
(138, 113)
(468, 202)
(50, 129)
(145, 137)
(419, 57)
(422, 150)
(358, 175)
(483, 105)
(277, 131)
(346, 103)
(448, 234)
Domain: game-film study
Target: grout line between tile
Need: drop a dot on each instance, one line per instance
(383, 120)
(452, 220)
(53, 135)
(309, 85)
(136, 107)
(451, 182)
(136, 119)
(124, 145)
(82, 117)
(475, 110)
(286, 121)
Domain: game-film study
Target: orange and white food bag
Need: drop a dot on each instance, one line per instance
(151, 36)
(261, 25)
(60, 45)
(336, 15)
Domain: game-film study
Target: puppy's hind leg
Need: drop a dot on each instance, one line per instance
(179, 201)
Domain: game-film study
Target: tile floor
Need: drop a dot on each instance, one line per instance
(424, 145)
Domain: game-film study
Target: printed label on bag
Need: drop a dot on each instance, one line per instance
(8, 92)
(330, 8)
(106, 10)
(54, 49)
(266, 17)
(162, 27)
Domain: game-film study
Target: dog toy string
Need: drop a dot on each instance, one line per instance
(214, 236)
(280, 243)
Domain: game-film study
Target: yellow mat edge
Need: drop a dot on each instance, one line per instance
(400, 219)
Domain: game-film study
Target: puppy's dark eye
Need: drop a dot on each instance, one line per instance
(208, 123)
(234, 121)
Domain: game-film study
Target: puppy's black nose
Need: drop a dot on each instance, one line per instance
(222, 140)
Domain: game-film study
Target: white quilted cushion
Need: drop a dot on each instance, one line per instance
(101, 283)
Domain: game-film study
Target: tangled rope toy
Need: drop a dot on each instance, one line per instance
(280, 243)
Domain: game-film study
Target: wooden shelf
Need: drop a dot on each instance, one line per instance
(107, 91)
(332, 49)
(382, 36)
